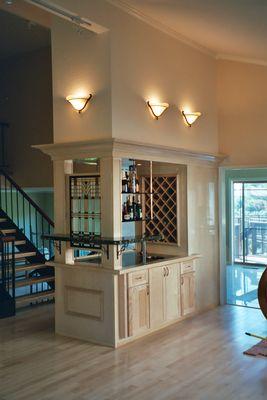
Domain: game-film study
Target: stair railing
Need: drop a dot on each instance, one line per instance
(7, 254)
(7, 278)
(26, 214)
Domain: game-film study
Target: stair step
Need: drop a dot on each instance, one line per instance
(29, 267)
(3, 220)
(19, 256)
(22, 300)
(20, 242)
(7, 231)
(25, 255)
(33, 281)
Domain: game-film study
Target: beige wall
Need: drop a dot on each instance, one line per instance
(81, 65)
(242, 100)
(123, 68)
(26, 103)
(147, 64)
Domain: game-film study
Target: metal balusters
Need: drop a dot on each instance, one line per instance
(43, 246)
(36, 229)
(17, 200)
(6, 193)
(7, 252)
(50, 243)
(25, 213)
(30, 222)
(13, 270)
(11, 201)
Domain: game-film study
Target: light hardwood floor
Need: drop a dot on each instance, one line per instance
(200, 358)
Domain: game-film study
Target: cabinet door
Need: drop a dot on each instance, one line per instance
(157, 293)
(188, 293)
(138, 304)
(172, 293)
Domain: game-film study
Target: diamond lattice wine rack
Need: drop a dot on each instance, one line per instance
(164, 207)
(85, 216)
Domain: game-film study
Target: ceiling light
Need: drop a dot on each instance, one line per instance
(157, 109)
(190, 117)
(79, 103)
(9, 2)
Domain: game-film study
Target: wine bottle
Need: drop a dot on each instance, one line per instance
(125, 212)
(139, 208)
(124, 182)
(130, 209)
(132, 178)
(134, 209)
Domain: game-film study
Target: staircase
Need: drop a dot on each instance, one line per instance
(23, 223)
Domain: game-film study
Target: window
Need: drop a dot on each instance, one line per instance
(249, 239)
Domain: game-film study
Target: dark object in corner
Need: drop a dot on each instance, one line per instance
(262, 293)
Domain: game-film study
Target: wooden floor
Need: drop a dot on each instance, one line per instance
(199, 359)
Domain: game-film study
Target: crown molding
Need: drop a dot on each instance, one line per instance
(123, 5)
(119, 148)
(244, 60)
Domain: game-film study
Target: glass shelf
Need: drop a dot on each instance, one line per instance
(137, 220)
(136, 193)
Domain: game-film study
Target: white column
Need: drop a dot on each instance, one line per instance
(110, 172)
(61, 207)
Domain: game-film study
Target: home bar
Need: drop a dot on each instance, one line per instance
(130, 222)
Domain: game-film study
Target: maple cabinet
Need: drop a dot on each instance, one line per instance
(138, 306)
(157, 301)
(164, 295)
(172, 290)
(159, 295)
(188, 293)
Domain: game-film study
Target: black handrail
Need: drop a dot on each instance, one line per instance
(25, 213)
(27, 197)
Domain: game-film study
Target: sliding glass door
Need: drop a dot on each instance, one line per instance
(249, 222)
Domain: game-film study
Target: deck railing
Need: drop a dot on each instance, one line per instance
(252, 243)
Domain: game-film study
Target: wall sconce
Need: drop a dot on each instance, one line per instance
(79, 103)
(190, 117)
(157, 109)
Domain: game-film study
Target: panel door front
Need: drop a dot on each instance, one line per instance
(188, 293)
(172, 293)
(138, 309)
(157, 293)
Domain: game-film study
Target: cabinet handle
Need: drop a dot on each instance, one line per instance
(168, 271)
(182, 280)
(164, 271)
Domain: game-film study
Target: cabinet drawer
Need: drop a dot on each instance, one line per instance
(187, 266)
(137, 278)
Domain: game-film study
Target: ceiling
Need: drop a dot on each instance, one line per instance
(227, 28)
(18, 35)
